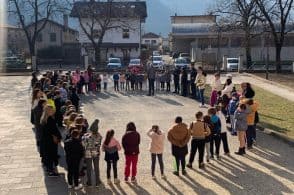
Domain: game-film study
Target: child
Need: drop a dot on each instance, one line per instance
(74, 98)
(233, 104)
(156, 149)
(116, 80)
(216, 86)
(223, 134)
(98, 82)
(111, 147)
(216, 130)
(74, 152)
(87, 81)
(241, 127)
(105, 81)
(130, 143)
(199, 130)
(122, 81)
(162, 81)
(207, 121)
(128, 80)
(92, 143)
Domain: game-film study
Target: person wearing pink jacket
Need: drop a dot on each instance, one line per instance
(111, 147)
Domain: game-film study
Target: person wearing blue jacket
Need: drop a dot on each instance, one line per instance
(215, 133)
(232, 107)
(116, 80)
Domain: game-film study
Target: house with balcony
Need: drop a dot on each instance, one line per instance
(122, 38)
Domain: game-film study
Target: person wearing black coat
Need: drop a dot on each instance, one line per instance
(74, 98)
(193, 85)
(247, 92)
(74, 151)
(58, 104)
(50, 140)
(176, 74)
(184, 82)
(37, 112)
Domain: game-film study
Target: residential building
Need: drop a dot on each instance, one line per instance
(152, 40)
(199, 36)
(123, 35)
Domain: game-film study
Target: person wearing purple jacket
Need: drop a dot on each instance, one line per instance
(130, 143)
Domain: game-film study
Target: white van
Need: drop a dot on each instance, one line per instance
(232, 64)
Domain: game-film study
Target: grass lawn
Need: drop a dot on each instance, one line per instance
(275, 112)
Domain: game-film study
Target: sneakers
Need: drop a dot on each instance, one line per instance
(227, 154)
(176, 173)
(184, 172)
(52, 174)
(133, 180)
(234, 133)
(116, 181)
(80, 186)
(109, 181)
(189, 165)
(201, 106)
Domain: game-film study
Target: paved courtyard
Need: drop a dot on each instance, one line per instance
(268, 169)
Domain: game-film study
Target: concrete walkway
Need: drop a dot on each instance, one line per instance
(268, 169)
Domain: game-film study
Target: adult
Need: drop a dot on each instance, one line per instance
(179, 136)
(130, 143)
(151, 79)
(200, 82)
(228, 88)
(184, 82)
(193, 78)
(176, 74)
(167, 80)
(50, 140)
(247, 91)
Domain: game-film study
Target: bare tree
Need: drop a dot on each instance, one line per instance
(96, 18)
(236, 15)
(277, 15)
(28, 13)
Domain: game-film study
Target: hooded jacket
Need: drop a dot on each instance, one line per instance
(130, 142)
(179, 135)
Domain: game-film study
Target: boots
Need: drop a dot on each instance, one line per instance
(240, 151)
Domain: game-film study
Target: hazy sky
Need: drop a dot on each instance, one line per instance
(159, 12)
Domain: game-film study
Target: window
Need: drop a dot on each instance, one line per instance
(52, 37)
(39, 37)
(153, 42)
(126, 34)
(147, 41)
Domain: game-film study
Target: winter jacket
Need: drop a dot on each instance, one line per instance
(200, 81)
(111, 150)
(73, 149)
(216, 85)
(157, 142)
(179, 135)
(233, 105)
(216, 122)
(240, 120)
(130, 142)
(92, 144)
(228, 90)
(199, 130)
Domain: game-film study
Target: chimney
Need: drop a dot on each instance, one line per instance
(65, 20)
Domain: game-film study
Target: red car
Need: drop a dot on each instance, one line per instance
(135, 64)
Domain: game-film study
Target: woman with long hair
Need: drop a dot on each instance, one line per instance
(111, 147)
(50, 140)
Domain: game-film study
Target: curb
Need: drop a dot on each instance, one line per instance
(277, 135)
(268, 81)
(16, 74)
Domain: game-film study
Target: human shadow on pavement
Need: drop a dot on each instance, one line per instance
(172, 186)
(117, 189)
(163, 187)
(169, 101)
(138, 189)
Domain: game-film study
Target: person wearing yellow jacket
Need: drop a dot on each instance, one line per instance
(251, 130)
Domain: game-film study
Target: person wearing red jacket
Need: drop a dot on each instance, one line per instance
(130, 143)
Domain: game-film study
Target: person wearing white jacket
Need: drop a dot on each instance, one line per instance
(223, 134)
(229, 86)
(156, 149)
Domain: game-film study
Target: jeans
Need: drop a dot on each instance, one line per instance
(250, 135)
(232, 121)
(224, 140)
(127, 85)
(131, 160)
(116, 87)
(87, 87)
(215, 140)
(114, 167)
(151, 86)
(200, 145)
(153, 162)
(167, 86)
(181, 160)
(201, 96)
(177, 86)
(122, 85)
(73, 171)
(95, 161)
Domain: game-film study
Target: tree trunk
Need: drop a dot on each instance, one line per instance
(97, 56)
(248, 49)
(278, 58)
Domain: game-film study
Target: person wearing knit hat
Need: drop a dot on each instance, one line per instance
(94, 126)
(92, 142)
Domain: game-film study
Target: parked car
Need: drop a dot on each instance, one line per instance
(232, 64)
(114, 63)
(157, 62)
(181, 63)
(13, 62)
(135, 63)
(156, 53)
